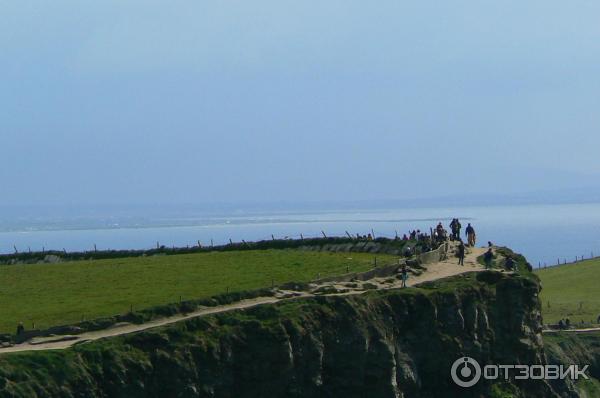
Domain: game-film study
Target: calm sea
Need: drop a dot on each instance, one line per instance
(543, 233)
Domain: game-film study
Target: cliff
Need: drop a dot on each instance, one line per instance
(379, 344)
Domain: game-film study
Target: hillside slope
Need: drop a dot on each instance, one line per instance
(571, 291)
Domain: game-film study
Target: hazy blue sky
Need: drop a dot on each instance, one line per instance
(204, 101)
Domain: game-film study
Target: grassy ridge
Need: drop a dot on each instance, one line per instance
(64, 293)
(571, 291)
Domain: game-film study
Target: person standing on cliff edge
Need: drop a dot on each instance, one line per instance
(471, 237)
(488, 257)
(461, 253)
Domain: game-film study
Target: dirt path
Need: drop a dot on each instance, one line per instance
(432, 272)
(588, 330)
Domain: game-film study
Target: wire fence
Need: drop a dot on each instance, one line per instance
(564, 261)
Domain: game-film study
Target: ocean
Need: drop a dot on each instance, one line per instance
(545, 234)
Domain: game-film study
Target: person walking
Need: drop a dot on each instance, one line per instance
(471, 237)
(461, 253)
(404, 275)
(487, 258)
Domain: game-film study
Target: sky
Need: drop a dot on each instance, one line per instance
(120, 102)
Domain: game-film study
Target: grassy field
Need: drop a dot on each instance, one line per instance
(57, 294)
(571, 291)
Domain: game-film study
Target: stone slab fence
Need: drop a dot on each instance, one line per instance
(431, 257)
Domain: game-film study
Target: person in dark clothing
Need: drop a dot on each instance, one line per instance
(20, 329)
(453, 228)
(458, 227)
(567, 323)
(487, 258)
(404, 275)
(439, 232)
(461, 253)
(470, 232)
(510, 264)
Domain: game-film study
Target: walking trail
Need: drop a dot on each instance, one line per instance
(431, 272)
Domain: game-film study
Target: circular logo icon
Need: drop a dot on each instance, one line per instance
(466, 372)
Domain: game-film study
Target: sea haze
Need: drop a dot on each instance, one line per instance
(544, 233)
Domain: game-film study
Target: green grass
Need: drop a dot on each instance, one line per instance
(64, 293)
(571, 291)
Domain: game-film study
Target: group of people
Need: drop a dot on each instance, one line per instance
(440, 234)
(488, 257)
(367, 237)
(455, 226)
(415, 234)
(564, 323)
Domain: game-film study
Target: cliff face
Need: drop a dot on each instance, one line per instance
(380, 344)
(582, 349)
